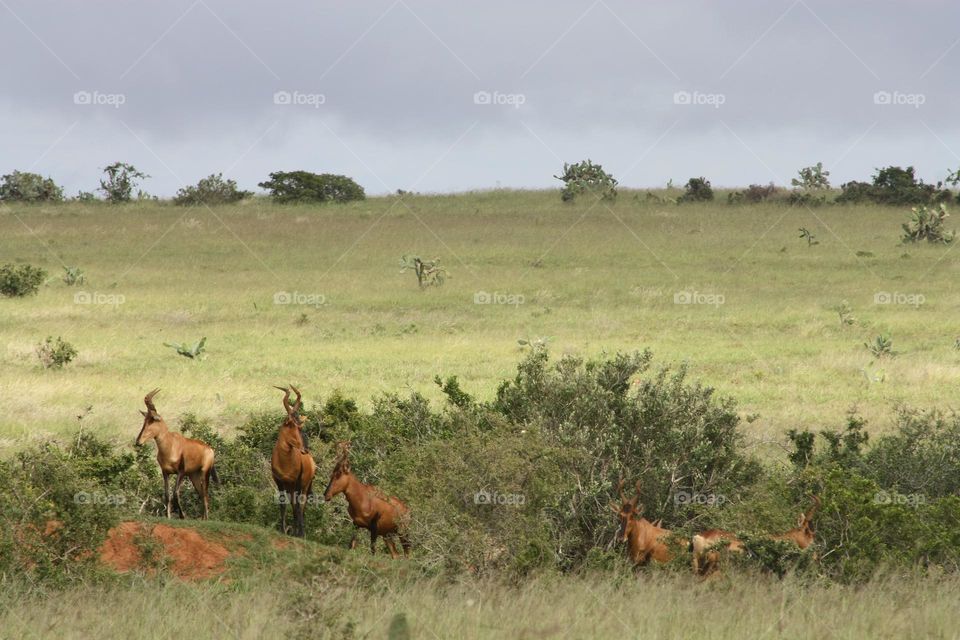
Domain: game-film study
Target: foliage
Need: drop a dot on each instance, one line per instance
(303, 186)
(73, 276)
(21, 186)
(54, 354)
(845, 314)
(927, 224)
(586, 177)
(22, 281)
(882, 346)
(119, 181)
(196, 351)
(893, 186)
(805, 234)
(754, 194)
(211, 190)
(429, 272)
(697, 190)
(812, 178)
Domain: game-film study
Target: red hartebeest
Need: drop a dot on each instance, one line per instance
(292, 465)
(369, 508)
(706, 546)
(645, 539)
(178, 455)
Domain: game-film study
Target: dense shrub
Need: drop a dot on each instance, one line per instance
(22, 186)
(55, 354)
(303, 186)
(586, 177)
(753, 194)
(893, 186)
(22, 281)
(697, 190)
(119, 180)
(928, 224)
(211, 190)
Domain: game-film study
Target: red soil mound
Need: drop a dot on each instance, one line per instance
(186, 553)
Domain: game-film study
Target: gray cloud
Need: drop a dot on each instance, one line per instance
(796, 83)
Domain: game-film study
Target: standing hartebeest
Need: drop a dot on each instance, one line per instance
(706, 546)
(645, 539)
(180, 455)
(369, 508)
(292, 465)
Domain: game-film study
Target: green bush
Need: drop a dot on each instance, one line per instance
(928, 224)
(21, 186)
(303, 186)
(697, 190)
(893, 186)
(754, 194)
(119, 180)
(585, 177)
(22, 281)
(211, 190)
(55, 354)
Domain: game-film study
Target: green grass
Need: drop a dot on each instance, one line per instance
(592, 278)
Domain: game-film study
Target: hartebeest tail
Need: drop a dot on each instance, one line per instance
(292, 465)
(369, 508)
(707, 545)
(179, 455)
(645, 540)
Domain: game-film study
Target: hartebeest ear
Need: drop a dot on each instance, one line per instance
(143, 412)
(802, 520)
(614, 508)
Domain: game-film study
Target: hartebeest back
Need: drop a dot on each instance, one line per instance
(292, 465)
(707, 545)
(645, 539)
(368, 506)
(179, 455)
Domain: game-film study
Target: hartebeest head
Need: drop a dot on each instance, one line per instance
(294, 422)
(804, 532)
(340, 477)
(627, 511)
(153, 424)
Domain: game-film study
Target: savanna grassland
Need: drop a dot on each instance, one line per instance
(314, 296)
(587, 278)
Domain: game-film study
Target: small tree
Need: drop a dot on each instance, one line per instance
(54, 354)
(120, 180)
(22, 281)
(927, 224)
(303, 186)
(812, 178)
(211, 190)
(697, 190)
(586, 177)
(429, 272)
(22, 186)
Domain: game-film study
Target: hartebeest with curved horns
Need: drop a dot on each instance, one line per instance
(645, 539)
(292, 465)
(368, 506)
(706, 546)
(179, 455)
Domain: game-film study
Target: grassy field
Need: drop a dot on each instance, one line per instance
(589, 278)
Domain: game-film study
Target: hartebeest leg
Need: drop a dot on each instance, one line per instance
(298, 515)
(166, 493)
(282, 496)
(405, 543)
(391, 546)
(353, 540)
(198, 483)
(176, 492)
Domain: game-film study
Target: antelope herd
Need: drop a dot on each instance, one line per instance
(382, 515)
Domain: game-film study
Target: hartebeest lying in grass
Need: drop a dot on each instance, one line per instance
(292, 465)
(645, 539)
(707, 545)
(369, 508)
(179, 455)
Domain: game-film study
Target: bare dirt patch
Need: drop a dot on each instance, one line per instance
(184, 552)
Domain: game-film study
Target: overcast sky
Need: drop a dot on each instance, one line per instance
(456, 95)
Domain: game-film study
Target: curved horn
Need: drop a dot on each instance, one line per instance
(299, 403)
(286, 399)
(814, 508)
(623, 498)
(148, 400)
(636, 498)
